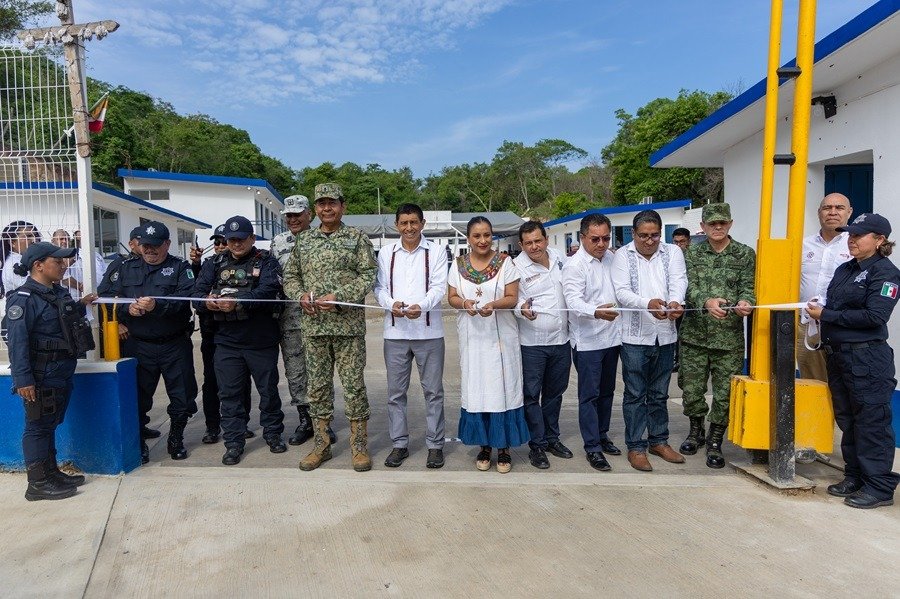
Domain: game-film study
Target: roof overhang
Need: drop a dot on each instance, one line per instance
(621, 209)
(865, 41)
(195, 178)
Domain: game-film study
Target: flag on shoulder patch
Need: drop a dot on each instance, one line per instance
(889, 290)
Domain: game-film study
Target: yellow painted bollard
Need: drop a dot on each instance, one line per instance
(111, 351)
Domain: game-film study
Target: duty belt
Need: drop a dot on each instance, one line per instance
(831, 348)
(164, 339)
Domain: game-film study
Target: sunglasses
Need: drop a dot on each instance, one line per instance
(219, 242)
(599, 238)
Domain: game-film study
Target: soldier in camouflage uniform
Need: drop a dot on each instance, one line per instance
(333, 262)
(721, 273)
(297, 216)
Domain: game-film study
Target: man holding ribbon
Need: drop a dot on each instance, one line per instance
(333, 265)
(159, 330)
(721, 274)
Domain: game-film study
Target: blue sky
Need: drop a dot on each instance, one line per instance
(428, 83)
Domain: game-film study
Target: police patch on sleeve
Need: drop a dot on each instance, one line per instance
(889, 290)
(190, 273)
(15, 312)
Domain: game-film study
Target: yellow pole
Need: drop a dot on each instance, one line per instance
(806, 32)
(111, 351)
(771, 124)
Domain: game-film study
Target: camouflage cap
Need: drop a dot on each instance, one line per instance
(295, 205)
(717, 211)
(329, 190)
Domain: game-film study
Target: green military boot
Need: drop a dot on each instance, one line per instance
(322, 450)
(360, 452)
(714, 457)
(695, 438)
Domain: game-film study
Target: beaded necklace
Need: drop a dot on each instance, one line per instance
(473, 275)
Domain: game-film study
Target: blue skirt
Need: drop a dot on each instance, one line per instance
(494, 429)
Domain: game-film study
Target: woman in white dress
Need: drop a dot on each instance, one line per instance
(484, 286)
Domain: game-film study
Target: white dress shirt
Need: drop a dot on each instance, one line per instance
(638, 280)
(820, 259)
(543, 286)
(11, 280)
(587, 283)
(409, 286)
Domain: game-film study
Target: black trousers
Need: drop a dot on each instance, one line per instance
(39, 436)
(174, 361)
(234, 369)
(210, 391)
(862, 382)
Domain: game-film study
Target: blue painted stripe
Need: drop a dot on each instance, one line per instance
(620, 210)
(194, 178)
(860, 24)
(38, 185)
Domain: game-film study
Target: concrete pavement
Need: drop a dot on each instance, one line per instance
(264, 528)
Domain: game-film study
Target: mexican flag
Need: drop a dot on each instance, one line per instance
(98, 114)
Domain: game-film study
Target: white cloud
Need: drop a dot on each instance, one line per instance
(312, 48)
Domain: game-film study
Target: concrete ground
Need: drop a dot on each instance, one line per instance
(264, 528)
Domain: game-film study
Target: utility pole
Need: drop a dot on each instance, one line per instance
(72, 36)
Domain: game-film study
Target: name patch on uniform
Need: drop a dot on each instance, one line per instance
(168, 271)
(15, 312)
(889, 290)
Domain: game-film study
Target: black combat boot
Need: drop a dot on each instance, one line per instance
(43, 486)
(145, 452)
(695, 438)
(53, 471)
(304, 431)
(175, 444)
(714, 457)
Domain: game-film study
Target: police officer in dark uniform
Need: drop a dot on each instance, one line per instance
(859, 302)
(47, 331)
(210, 389)
(247, 336)
(159, 331)
(134, 251)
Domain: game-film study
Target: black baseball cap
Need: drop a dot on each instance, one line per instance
(135, 233)
(154, 233)
(868, 222)
(45, 249)
(218, 232)
(238, 227)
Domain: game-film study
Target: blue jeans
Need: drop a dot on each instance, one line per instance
(646, 371)
(545, 370)
(596, 384)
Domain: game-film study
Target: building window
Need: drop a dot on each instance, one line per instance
(151, 195)
(106, 231)
(185, 237)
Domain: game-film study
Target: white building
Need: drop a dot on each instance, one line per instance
(52, 206)
(212, 199)
(855, 151)
(563, 232)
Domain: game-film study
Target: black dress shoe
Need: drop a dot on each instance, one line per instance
(396, 457)
(598, 461)
(248, 434)
(210, 437)
(232, 456)
(149, 433)
(559, 450)
(276, 444)
(145, 452)
(864, 501)
(845, 488)
(435, 458)
(609, 447)
(538, 458)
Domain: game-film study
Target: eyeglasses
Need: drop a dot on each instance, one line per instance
(220, 242)
(599, 238)
(646, 236)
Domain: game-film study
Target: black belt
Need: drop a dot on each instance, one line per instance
(161, 340)
(836, 347)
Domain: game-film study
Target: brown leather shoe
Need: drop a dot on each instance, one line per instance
(639, 461)
(666, 452)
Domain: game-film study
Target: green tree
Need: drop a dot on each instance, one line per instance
(19, 14)
(568, 203)
(655, 124)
